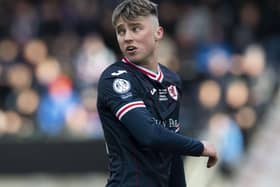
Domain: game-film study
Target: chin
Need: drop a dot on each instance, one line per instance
(135, 59)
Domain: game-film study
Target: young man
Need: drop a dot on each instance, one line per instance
(138, 103)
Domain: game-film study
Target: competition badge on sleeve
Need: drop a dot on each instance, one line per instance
(121, 86)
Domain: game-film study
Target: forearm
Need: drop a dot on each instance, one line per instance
(140, 124)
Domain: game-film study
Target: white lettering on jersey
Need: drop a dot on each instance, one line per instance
(170, 123)
(119, 72)
(163, 95)
(121, 86)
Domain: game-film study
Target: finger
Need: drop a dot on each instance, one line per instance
(211, 162)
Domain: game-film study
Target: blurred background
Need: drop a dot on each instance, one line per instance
(52, 53)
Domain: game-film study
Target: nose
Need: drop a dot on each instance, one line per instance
(128, 36)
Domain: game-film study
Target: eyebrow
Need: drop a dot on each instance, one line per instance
(134, 24)
(129, 24)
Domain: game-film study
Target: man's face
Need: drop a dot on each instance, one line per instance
(137, 38)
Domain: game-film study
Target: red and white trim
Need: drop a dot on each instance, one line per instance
(152, 75)
(126, 108)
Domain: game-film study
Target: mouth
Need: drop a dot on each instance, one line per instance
(130, 49)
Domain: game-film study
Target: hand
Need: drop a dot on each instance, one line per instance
(210, 152)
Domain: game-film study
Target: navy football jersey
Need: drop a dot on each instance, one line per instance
(139, 111)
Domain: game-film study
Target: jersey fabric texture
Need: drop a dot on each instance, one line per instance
(139, 111)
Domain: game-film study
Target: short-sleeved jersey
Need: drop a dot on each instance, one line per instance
(127, 92)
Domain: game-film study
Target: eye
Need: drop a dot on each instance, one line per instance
(120, 32)
(136, 28)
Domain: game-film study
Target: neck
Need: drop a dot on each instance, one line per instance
(150, 64)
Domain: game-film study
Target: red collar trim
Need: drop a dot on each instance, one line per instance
(158, 77)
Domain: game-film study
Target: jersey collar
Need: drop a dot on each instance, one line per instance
(152, 75)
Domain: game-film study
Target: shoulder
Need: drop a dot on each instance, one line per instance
(170, 76)
(115, 70)
(112, 70)
(117, 75)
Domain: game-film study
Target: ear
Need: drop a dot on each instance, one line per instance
(159, 33)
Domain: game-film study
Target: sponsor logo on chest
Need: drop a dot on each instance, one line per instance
(170, 123)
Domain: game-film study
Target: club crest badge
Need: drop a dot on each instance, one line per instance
(172, 90)
(121, 86)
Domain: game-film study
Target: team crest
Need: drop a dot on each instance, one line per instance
(172, 90)
(121, 86)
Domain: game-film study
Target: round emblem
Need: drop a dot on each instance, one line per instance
(121, 86)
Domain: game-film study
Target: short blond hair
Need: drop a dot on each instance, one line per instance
(131, 9)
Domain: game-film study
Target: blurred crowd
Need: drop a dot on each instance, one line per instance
(52, 53)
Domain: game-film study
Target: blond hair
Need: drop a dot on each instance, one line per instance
(131, 9)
